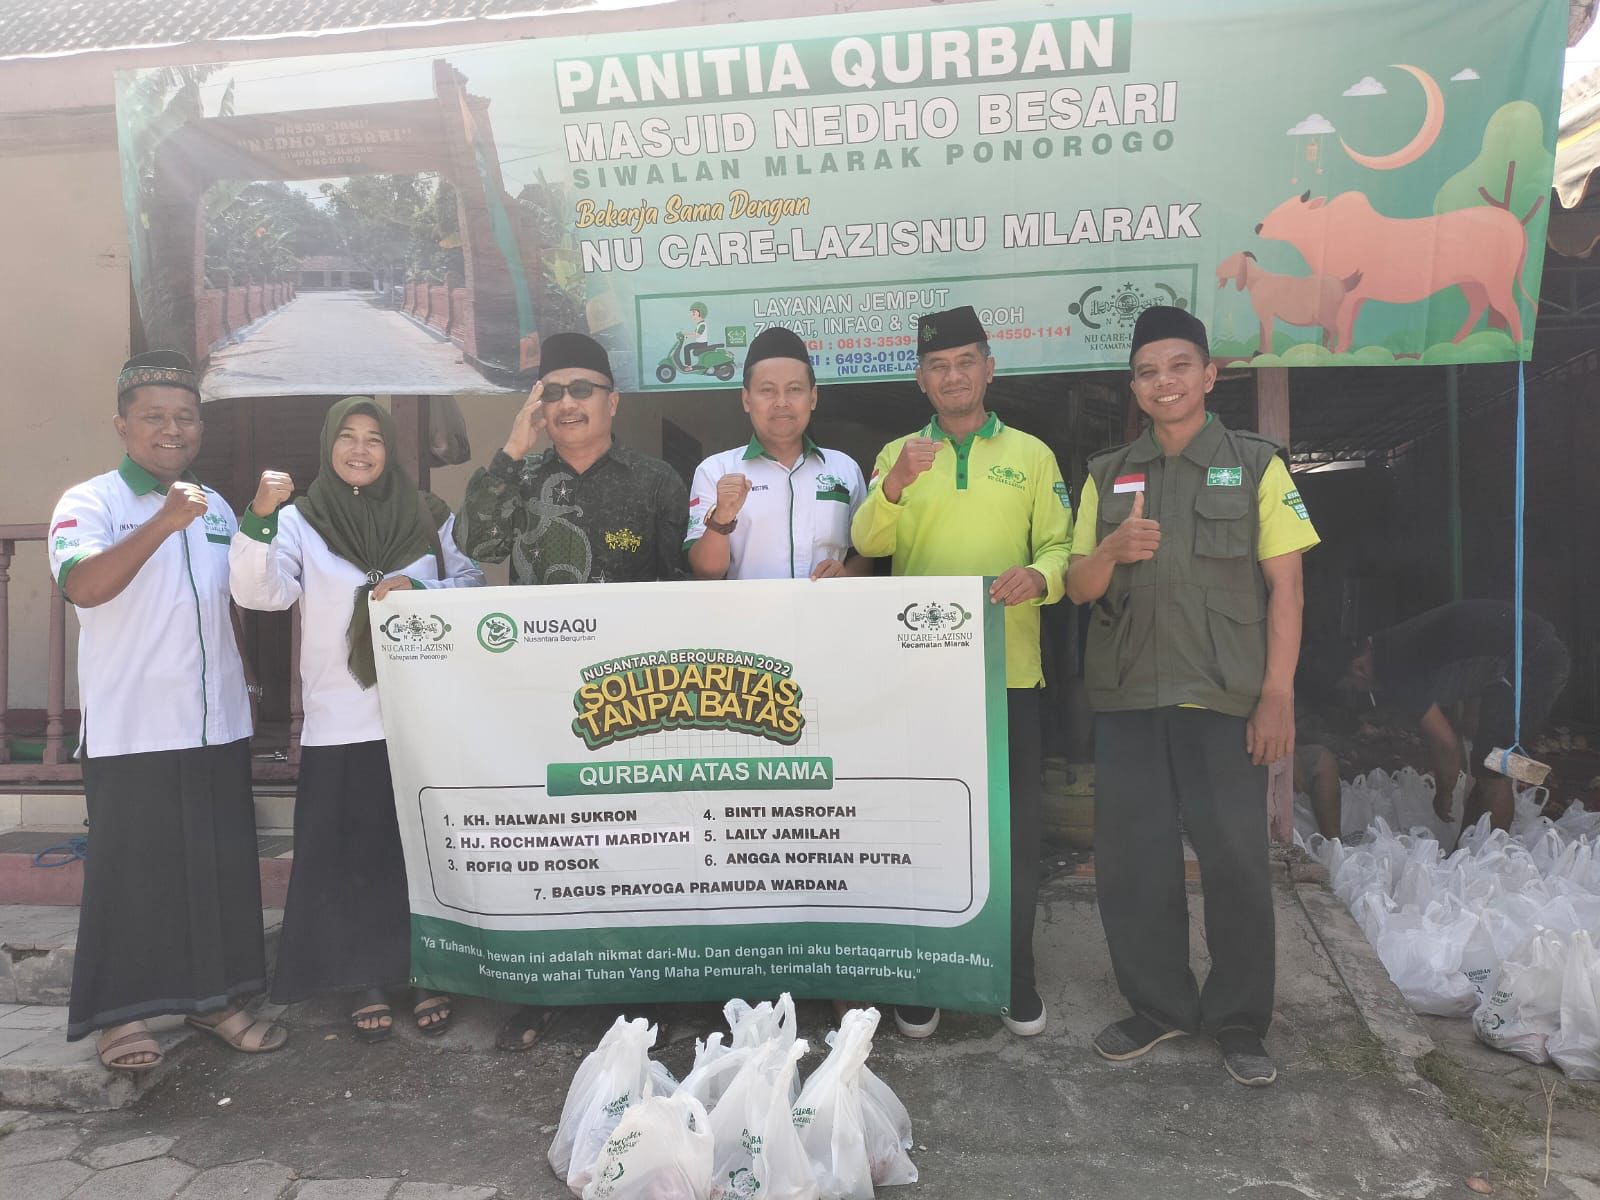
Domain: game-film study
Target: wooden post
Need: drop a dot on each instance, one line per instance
(56, 693)
(6, 550)
(1272, 403)
(411, 421)
(1132, 419)
(1272, 420)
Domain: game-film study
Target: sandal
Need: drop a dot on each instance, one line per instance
(432, 1013)
(243, 1032)
(376, 1010)
(525, 1028)
(121, 1042)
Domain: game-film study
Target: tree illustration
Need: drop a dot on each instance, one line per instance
(1512, 170)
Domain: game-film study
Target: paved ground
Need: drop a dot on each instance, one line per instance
(995, 1117)
(339, 343)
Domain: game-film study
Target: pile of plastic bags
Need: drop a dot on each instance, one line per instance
(1401, 799)
(739, 1125)
(1504, 930)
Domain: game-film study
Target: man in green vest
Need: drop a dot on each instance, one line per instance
(1187, 544)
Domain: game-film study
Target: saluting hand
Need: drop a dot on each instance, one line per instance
(528, 427)
(1136, 539)
(275, 487)
(732, 491)
(184, 503)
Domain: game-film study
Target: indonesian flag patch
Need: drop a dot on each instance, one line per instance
(1128, 483)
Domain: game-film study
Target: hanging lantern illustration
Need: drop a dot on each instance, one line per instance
(1308, 153)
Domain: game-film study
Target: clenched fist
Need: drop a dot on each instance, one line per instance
(916, 456)
(1136, 539)
(185, 502)
(275, 487)
(732, 491)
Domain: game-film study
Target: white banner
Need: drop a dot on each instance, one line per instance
(685, 791)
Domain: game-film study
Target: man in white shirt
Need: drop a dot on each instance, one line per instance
(778, 507)
(171, 913)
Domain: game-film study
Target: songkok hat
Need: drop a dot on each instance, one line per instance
(1161, 321)
(169, 367)
(946, 330)
(562, 350)
(775, 342)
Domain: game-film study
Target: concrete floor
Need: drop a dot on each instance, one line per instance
(994, 1116)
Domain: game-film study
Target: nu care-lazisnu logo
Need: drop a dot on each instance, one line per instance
(497, 633)
(415, 628)
(414, 638)
(934, 625)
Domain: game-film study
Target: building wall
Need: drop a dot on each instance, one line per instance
(62, 340)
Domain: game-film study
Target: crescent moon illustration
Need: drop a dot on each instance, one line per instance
(1432, 123)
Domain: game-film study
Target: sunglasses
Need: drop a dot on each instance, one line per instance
(578, 389)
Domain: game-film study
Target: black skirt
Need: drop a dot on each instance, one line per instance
(171, 913)
(347, 921)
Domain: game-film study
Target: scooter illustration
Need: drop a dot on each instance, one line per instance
(713, 360)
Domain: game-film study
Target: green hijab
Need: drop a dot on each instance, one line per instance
(378, 528)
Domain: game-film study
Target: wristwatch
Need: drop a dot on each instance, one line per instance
(253, 689)
(717, 526)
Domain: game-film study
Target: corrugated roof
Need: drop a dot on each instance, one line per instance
(46, 27)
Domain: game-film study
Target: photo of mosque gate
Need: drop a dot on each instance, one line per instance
(490, 312)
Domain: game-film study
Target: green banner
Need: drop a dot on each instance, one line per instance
(808, 794)
(1359, 183)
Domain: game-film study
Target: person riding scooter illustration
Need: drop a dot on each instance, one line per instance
(693, 353)
(695, 341)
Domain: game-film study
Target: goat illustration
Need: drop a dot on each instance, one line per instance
(1292, 299)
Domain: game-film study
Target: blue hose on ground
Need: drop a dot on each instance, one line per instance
(70, 851)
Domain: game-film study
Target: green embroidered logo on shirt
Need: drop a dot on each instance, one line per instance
(1009, 476)
(831, 487)
(1224, 477)
(1062, 495)
(216, 526)
(1291, 499)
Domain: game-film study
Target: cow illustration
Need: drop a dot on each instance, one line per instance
(1292, 299)
(1402, 260)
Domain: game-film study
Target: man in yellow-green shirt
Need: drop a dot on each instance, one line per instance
(968, 495)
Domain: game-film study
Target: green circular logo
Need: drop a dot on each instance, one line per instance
(497, 633)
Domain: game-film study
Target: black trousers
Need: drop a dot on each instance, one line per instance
(1022, 713)
(1153, 767)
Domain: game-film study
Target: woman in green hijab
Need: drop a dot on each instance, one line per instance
(361, 530)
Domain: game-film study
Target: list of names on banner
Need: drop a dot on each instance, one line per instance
(680, 835)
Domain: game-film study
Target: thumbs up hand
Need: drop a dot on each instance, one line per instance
(1136, 539)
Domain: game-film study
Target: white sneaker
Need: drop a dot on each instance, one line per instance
(916, 1022)
(1029, 1028)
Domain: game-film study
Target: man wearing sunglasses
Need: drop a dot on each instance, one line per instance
(585, 509)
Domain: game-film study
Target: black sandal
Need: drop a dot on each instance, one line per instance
(373, 1008)
(514, 1033)
(431, 1003)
